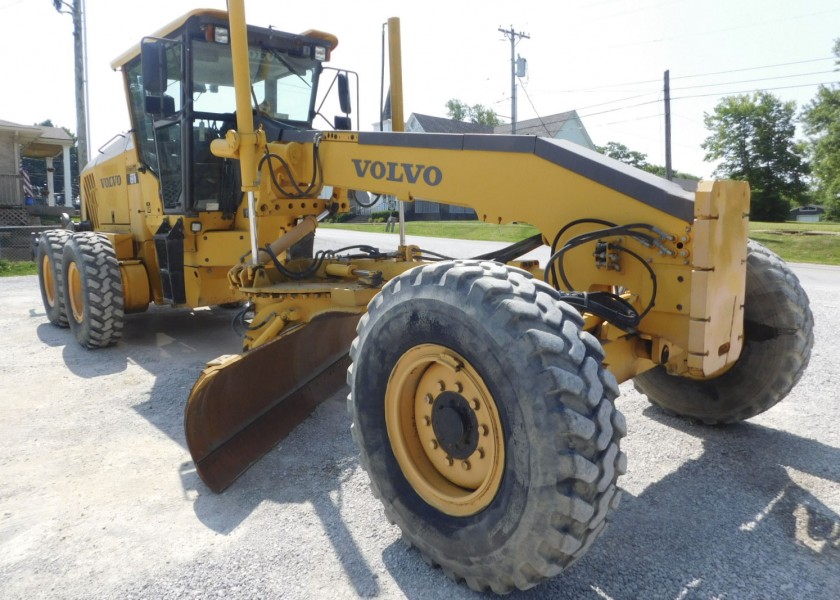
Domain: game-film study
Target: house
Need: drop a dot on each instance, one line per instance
(418, 123)
(31, 141)
(564, 126)
(810, 213)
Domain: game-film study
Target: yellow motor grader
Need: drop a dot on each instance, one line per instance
(482, 391)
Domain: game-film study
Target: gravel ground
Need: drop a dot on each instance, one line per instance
(98, 497)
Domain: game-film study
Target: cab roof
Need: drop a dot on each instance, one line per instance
(330, 40)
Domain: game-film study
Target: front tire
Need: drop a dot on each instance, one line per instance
(50, 277)
(486, 422)
(778, 337)
(93, 291)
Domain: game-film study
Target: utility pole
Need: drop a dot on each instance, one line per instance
(669, 171)
(76, 11)
(514, 37)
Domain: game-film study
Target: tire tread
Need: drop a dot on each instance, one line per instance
(766, 372)
(102, 287)
(572, 405)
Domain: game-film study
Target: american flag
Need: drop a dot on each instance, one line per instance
(27, 184)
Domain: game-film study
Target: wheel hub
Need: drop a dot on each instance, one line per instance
(455, 425)
(49, 281)
(445, 430)
(77, 303)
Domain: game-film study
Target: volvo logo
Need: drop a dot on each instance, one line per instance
(398, 172)
(112, 181)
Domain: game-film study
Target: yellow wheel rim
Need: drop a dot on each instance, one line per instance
(445, 430)
(49, 280)
(74, 283)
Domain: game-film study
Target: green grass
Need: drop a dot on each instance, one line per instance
(794, 242)
(795, 227)
(10, 268)
(460, 230)
(800, 242)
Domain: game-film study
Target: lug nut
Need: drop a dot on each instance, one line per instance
(429, 399)
(459, 387)
(465, 464)
(433, 444)
(441, 386)
(449, 461)
(427, 420)
(481, 453)
(475, 404)
(485, 431)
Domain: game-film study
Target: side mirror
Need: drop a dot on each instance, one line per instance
(344, 94)
(160, 105)
(153, 58)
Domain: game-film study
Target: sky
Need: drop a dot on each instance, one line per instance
(603, 58)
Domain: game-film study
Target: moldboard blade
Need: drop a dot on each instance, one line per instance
(240, 408)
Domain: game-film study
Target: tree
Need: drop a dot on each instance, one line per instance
(637, 159)
(484, 116)
(753, 138)
(621, 152)
(457, 110)
(821, 119)
(477, 113)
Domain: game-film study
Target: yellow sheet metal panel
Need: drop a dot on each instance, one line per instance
(217, 248)
(521, 178)
(136, 289)
(143, 200)
(208, 287)
(123, 244)
(624, 360)
(719, 277)
(106, 182)
(166, 31)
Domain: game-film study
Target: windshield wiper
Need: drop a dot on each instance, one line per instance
(279, 56)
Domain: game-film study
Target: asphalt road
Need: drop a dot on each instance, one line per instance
(98, 497)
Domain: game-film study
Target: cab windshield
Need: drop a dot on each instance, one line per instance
(281, 85)
(196, 105)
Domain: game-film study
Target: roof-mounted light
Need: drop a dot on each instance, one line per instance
(320, 53)
(221, 36)
(214, 33)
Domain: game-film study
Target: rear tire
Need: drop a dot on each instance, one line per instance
(499, 349)
(778, 336)
(50, 278)
(93, 292)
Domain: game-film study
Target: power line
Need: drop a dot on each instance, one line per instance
(728, 93)
(656, 116)
(704, 85)
(614, 101)
(534, 108)
(782, 87)
(787, 64)
(514, 36)
(641, 82)
(695, 121)
(603, 112)
(536, 112)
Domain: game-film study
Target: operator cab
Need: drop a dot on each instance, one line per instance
(180, 85)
